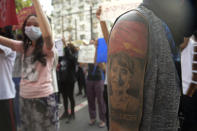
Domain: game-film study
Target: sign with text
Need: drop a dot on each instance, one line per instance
(60, 47)
(112, 10)
(7, 13)
(86, 54)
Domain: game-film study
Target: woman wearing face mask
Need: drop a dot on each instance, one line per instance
(38, 108)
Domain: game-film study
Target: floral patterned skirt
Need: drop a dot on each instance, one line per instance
(39, 114)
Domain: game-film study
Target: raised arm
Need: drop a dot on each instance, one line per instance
(64, 41)
(127, 58)
(103, 25)
(44, 24)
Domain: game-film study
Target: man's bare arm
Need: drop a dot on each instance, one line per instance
(127, 58)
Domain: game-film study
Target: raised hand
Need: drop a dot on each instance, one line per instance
(98, 13)
(64, 41)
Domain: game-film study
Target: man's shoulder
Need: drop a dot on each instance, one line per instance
(130, 33)
(132, 15)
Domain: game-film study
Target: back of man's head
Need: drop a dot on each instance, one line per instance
(179, 15)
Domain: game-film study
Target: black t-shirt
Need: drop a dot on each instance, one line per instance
(94, 72)
(67, 69)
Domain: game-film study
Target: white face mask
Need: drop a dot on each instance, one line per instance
(33, 32)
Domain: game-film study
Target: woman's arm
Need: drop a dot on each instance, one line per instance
(64, 41)
(103, 25)
(13, 44)
(104, 30)
(44, 24)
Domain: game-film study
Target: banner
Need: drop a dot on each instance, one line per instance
(86, 54)
(112, 10)
(7, 13)
(22, 15)
(101, 51)
(60, 47)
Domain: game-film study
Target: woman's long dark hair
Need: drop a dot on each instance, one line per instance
(38, 54)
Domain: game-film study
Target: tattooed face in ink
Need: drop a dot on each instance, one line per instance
(119, 75)
(121, 82)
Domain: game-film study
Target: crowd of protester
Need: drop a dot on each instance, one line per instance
(147, 90)
(31, 100)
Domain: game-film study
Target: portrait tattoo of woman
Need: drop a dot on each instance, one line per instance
(124, 83)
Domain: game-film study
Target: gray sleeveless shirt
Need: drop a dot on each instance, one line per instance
(161, 88)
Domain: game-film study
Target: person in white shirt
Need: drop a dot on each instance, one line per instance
(7, 88)
(189, 82)
(186, 65)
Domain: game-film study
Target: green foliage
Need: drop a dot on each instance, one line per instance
(20, 4)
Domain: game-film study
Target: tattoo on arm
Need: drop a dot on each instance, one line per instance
(126, 70)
